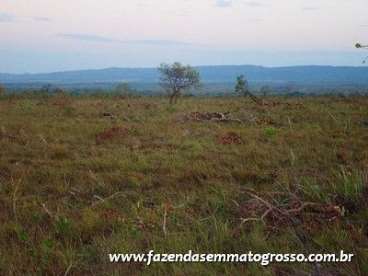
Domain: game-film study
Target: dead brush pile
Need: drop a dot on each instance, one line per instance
(210, 116)
(279, 209)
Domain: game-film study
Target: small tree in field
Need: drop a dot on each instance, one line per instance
(2, 90)
(123, 89)
(265, 91)
(242, 87)
(177, 78)
(360, 46)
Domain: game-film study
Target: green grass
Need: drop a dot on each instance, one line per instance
(67, 201)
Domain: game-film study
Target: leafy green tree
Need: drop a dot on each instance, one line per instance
(176, 78)
(242, 86)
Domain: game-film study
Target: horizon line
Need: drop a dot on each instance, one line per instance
(194, 66)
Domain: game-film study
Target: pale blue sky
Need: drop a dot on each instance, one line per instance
(44, 35)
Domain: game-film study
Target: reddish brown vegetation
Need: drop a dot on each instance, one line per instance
(61, 99)
(111, 133)
(230, 138)
(265, 121)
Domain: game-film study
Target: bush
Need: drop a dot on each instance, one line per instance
(270, 132)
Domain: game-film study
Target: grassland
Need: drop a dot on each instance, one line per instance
(77, 184)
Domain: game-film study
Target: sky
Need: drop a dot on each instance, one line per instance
(45, 35)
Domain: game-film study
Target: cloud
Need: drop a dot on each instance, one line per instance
(229, 3)
(6, 17)
(159, 42)
(256, 20)
(224, 3)
(102, 39)
(254, 4)
(41, 19)
(88, 38)
(310, 9)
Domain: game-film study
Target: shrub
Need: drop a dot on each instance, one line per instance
(270, 132)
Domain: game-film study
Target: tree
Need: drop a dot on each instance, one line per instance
(360, 46)
(176, 78)
(123, 89)
(46, 90)
(242, 87)
(265, 90)
(2, 90)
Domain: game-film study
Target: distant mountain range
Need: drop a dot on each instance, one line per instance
(297, 75)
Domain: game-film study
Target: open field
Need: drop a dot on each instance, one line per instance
(77, 184)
